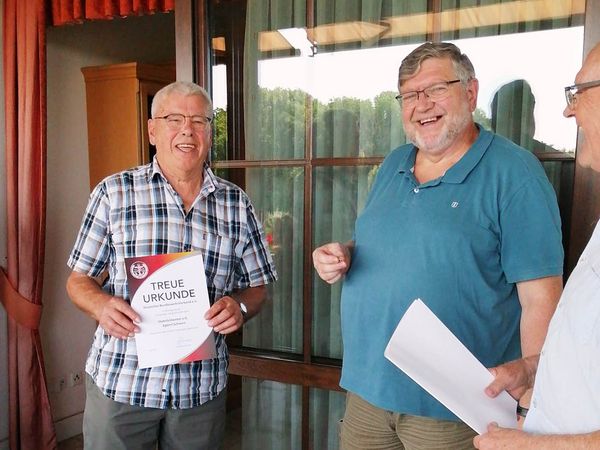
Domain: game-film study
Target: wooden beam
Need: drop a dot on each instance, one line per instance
(184, 40)
(285, 371)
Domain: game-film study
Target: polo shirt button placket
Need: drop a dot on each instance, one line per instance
(416, 190)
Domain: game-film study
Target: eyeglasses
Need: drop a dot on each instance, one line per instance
(176, 121)
(571, 92)
(434, 92)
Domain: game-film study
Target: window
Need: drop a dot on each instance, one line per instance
(305, 112)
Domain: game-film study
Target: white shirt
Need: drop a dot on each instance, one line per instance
(566, 396)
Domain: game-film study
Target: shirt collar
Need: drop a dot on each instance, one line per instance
(155, 170)
(407, 161)
(463, 167)
(210, 182)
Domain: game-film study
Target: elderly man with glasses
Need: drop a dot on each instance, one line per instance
(565, 407)
(174, 204)
(461, 218)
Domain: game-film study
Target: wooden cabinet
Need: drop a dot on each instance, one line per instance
(118, 101)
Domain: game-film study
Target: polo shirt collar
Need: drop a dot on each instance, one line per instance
(459, 171)
(407, 161)
(465, 165)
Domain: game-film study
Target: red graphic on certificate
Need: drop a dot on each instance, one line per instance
(170, 295)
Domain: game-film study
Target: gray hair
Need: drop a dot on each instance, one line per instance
(412, 63)
(180, 87)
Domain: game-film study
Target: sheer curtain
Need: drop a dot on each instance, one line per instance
(274, 129)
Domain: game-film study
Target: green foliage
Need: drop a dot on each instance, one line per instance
(481, 118)
(220, 135)
(343, 127)
(278, 131)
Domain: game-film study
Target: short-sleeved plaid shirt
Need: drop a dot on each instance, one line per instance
(138, 213)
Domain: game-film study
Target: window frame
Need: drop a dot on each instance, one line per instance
(194, 63)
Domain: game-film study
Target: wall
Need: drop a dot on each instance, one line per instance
(67, 332)
(3, 336)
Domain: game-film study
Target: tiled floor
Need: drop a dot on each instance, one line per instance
(75, 443)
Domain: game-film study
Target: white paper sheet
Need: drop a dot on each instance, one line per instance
(427, 351)
(170, 295)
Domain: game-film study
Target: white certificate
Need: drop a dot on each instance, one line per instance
(170, 295)
(428, 352)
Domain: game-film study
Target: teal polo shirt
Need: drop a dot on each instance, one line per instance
(460, 243)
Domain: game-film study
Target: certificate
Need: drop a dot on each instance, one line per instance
(428, 352)
(169, 293)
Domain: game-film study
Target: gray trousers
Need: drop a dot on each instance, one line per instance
(110, 425)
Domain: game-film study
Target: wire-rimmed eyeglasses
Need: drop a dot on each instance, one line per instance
(571, 92)
(434, 92)
(177, 121)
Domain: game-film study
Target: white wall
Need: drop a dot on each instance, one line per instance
(67, 332)
(3, 336)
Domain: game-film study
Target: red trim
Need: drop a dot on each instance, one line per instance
(76, 11)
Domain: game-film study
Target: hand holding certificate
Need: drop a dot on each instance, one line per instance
(427, 351)
(170, 295)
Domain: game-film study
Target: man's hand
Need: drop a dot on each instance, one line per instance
(118, 318)
(502, 438)
(515, 377)
(113, 314)
(332, 261)
(225, 315)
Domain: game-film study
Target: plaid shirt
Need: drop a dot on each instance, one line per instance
(138, 213)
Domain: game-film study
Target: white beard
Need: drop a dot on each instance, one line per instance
(451, 129)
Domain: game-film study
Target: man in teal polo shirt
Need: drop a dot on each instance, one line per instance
(461, 218)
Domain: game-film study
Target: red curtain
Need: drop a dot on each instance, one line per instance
(76, 11)
(24, 57)
(24, 31)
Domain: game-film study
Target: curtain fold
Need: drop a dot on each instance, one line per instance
(24, 56)
(76, 11)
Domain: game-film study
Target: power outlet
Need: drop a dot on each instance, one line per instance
(75, 379)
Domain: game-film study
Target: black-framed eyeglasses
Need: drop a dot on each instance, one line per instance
(176, 121)
(434, 92)
(572, 91)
